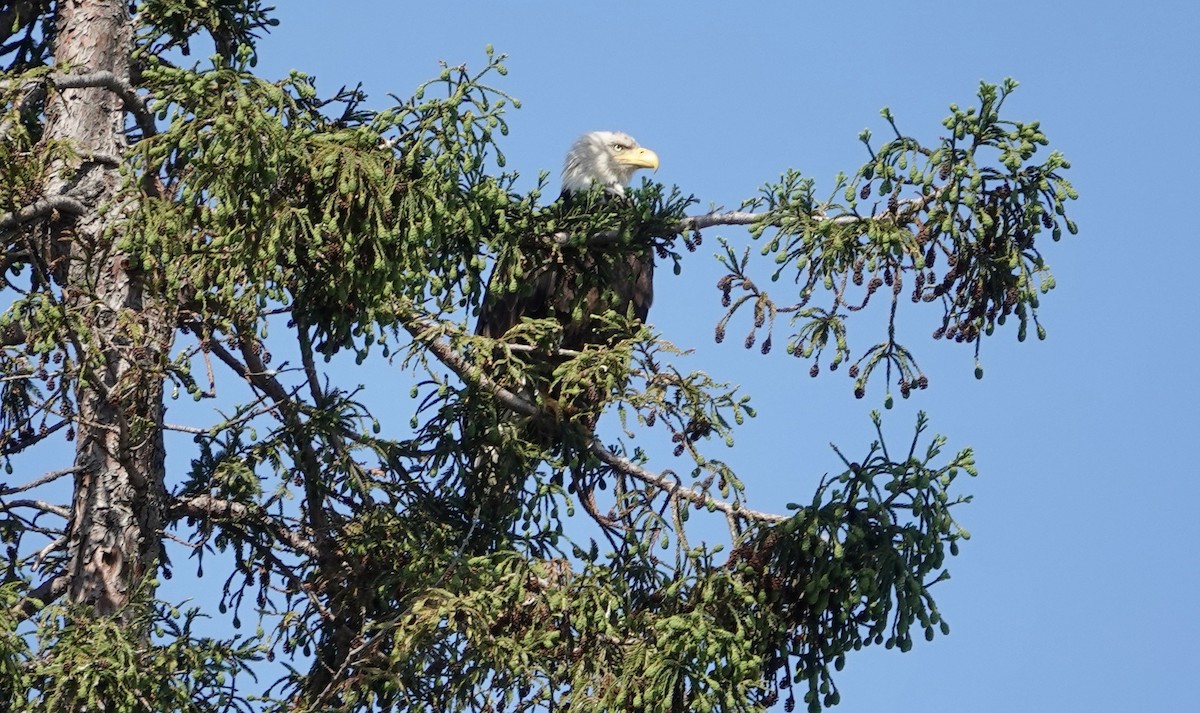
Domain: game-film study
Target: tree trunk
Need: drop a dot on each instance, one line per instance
(114, 538)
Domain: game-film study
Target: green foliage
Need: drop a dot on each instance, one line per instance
(74, 660)
(855, 567)
(21, 166)
(14, 649)
(852, 569)
(268, 200)
(230, 25)
(975, 202)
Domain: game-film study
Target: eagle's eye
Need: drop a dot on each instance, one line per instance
(618, 147)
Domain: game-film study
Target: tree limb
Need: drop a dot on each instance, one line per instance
(473, 375)
(41, 208)
(48, 477)
(677, 490)
(904, 208)
(733, 217)
(107, 80)
(207, 506)
(263, 379)
(42, 505)
(468, 372)
(46, 593)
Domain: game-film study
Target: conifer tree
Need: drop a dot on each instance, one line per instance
(168, 224)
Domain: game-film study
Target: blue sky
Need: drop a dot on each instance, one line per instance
(1075, 591)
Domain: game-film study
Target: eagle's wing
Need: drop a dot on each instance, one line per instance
(594, 285)
(508, 300)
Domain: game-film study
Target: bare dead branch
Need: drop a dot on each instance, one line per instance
(47, 478)
(40, 209)
(42, 505)
(708, 220)
(41, 554)
(195, 431)
(107, 80)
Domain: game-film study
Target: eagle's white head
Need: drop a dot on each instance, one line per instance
(605, 157)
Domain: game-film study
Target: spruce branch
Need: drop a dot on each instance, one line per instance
(254, 371)
(31, 93)
(209, 507)
(471, 374)
(903, 209)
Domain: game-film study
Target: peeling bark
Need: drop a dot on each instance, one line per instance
(114, 538)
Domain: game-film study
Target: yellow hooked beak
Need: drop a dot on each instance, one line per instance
(638, 158)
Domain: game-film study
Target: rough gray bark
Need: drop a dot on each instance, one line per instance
(114, 539)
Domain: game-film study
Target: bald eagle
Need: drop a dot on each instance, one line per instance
(622, 282)
(569, 284)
